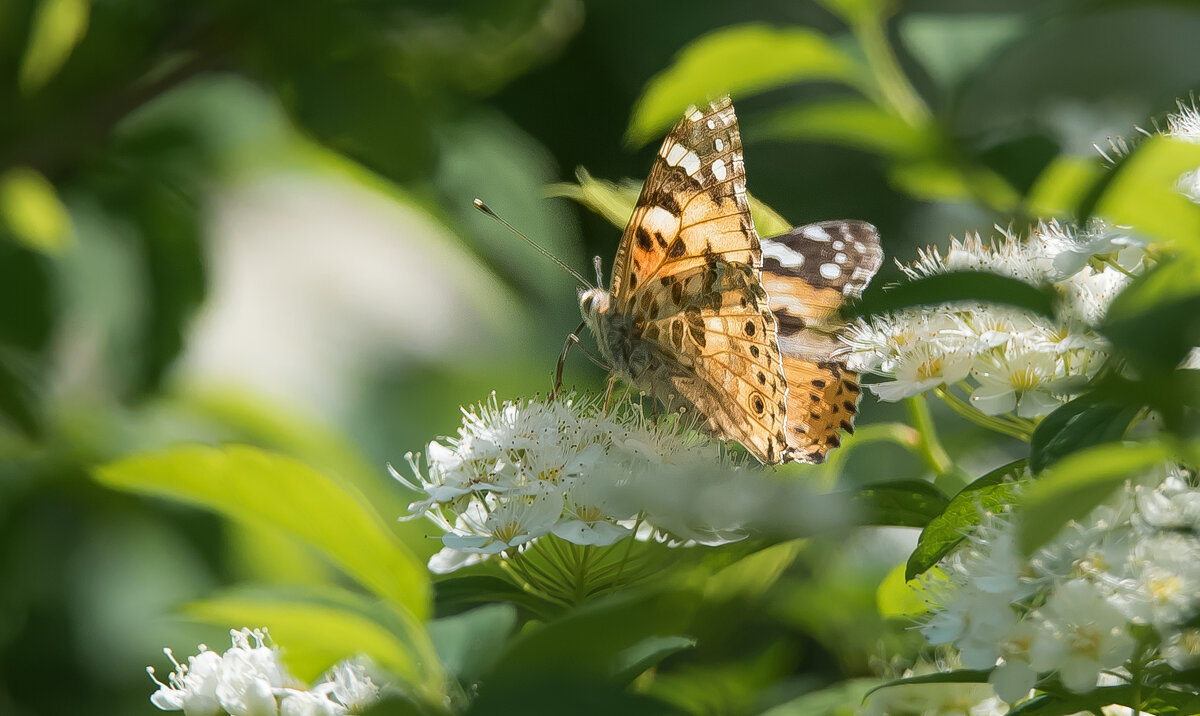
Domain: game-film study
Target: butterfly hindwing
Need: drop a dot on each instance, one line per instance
(718, 355)
(809, 272)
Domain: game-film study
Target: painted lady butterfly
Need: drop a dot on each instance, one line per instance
(705, 317)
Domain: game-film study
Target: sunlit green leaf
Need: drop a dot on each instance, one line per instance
(965, 511)
(30, 208)
(956, 286)
(937, 181)
(902, 503)
(1062, 185)
(741, 61)
(853, 123)
(900, 598)
(58, 25)
(1142, 191)
(317, 629)
(1077, 484)
(752, 575)
(250, 485)
(1088, 420)
(855, 12)
(615, 202)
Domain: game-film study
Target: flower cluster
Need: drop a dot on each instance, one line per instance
(1070, 607)
(249, 680)
(1008, 360)
(1183, 125)
(522, 470)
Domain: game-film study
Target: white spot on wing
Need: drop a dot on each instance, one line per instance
(815, 233)
(712, 124)
(660, 220)
(690, 163)
(696, 115)
(785, 255)
(717, 143)
(839, 245)
(676, 154)
(718, 169)
(839, 258)
(830, 271)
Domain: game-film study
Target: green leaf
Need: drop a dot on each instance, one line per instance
(855, 123)
(950, 46)
(1062, 184)
(572, 664)
(58, 25)
(316, 629)
(958, 676)
(615, 202)
(647, 653)
(841, 699)
(742, 60)
(964, 512)
(1090, 419)
(32, 211)
(1077, 484)
(1142, 191)
(468, 644)
(455, 594)
(1159, 701)
(751, 576)
(936, 180)
(902, 503)
(250, 485)
(956, 286)
(898, 597)
(1155, 321)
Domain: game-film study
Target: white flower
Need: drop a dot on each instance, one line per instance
(521, 470)
(308, 703)
(249, 674)
(1182, 649)
(1016, 379)
(249, 680)
(1080, 634)
(925, 367)
(192, 686)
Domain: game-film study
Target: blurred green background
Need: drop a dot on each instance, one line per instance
(252, 222)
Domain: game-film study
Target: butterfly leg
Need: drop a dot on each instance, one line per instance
(612, 381)
(562, 359)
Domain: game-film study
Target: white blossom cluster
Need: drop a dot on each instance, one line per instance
(1009, 360)
(521, 470)
(250, 680)
(1184, 125)
(1069, 608)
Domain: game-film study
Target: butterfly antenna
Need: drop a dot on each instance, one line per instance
(487, 210)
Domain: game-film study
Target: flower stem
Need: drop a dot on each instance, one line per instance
(1020, 430)
(870, 29)
(929, 447)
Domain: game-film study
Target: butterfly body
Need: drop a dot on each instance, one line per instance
(691, 318)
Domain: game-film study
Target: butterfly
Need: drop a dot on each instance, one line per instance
(705, 317)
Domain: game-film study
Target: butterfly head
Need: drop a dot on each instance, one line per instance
(594, 303)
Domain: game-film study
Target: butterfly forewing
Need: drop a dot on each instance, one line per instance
(809, 273)
(688, 271)
(693, 205)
